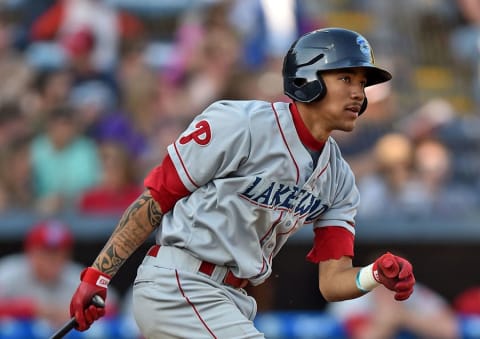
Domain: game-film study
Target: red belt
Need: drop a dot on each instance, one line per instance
(207, 268)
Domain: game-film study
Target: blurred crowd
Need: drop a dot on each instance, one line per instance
(93, 92)
(92, 95)
(86, 109)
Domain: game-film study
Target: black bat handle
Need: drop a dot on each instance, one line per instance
(68, 326)
(65, 329)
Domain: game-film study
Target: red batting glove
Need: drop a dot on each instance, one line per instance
(92, 282)
(396, 274)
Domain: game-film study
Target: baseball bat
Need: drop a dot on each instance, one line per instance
(69, 325)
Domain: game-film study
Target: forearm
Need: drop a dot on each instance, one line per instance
(137, 223)
(341, 287)
(337, 280)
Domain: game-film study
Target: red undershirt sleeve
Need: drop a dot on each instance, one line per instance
(331, 242)
(165, 185)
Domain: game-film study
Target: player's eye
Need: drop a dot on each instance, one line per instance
(346, 78)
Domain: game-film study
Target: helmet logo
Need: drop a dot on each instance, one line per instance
(364, 46)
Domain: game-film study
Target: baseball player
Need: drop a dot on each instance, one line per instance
(241, 179)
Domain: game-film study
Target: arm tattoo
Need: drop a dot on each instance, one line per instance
(140, 219)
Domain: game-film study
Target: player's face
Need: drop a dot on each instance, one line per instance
(339, 109)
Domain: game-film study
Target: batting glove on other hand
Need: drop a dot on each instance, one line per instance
(396, 274)
(93, 282)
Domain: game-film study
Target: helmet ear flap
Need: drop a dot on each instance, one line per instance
(322, 91)
(364, 106)
(306, 92)
(313, 90)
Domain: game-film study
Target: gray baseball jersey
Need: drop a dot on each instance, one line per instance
(252, 184)
(234, 186)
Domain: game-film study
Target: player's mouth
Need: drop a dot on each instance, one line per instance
(353, 108)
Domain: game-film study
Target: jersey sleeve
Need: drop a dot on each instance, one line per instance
(344, 201)
(213, 145)
(335, 228)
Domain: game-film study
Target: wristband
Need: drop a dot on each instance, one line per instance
(95, 277)
(364, 280)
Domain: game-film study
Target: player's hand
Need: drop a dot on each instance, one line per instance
(396, 274)
(92, 282)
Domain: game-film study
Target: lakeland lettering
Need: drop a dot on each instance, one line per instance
(275, 195)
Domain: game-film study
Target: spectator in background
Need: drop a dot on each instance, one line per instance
(49, 89)
(64, 162)
(79, 47)
(91, 101)
(37, 284)
(437, 119)
(426, 314)
(467, 302)
(267, 27)
(16, 189)
(213, 63)
(413, 180)
(101, 119)
(140, 88)
(428, 119)
(117, 125)
(465, 41)
(207, 51)
(118, 187)
(265, 85)
(391, 190)
(14, 70)
(166, 131)
(441, 194)
(90, 34)
(96, 26)
(13, 124)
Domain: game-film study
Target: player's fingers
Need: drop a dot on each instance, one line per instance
(404, 288)
(400, 296)
(81, 323)
(93, 313)
(404, 285)
(389, 266)
(90, 315)
(403, 295)
(405, 270)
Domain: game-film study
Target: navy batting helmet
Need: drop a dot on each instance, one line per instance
(326, 49)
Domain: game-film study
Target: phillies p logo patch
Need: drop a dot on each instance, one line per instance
(201, 135)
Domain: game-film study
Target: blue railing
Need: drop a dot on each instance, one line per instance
(275, 325)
